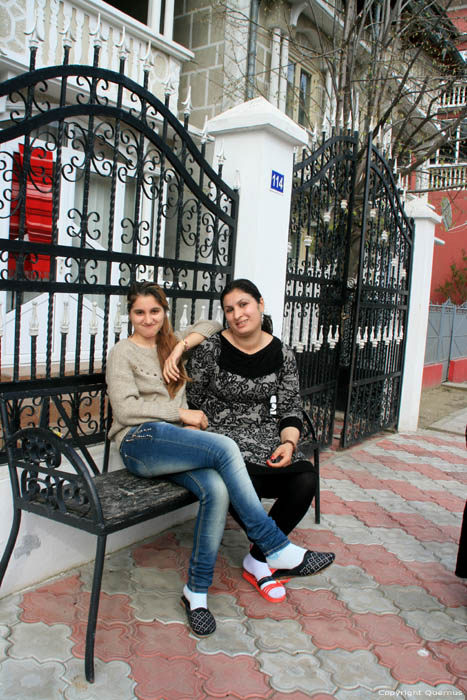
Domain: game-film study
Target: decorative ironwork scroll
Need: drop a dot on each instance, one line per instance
(347, 288)
(100, 184)
(381, 305)
(319, 237)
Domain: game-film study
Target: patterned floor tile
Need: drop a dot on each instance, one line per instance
(28, 679)
(224, 607)
(109, 676)
(335, 633)
(353, 576)
(320, 602)
(230, 638)
(150, 639)
(411, 598)
(151, 606)
(389, 617)
(256, 607)
(453, 654)
(435, 627)
(4, 641)
(386, 629)
(113, 641)
(450, 594)
(167, 679)
(286, 635)
(41, 642)
(302, 672)
(239, 676)
(365, 601)
(10, 609)
(355, 669)
(57, 602)
(411, 665)
(153, 580)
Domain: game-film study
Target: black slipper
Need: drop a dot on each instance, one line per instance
(312, 563)
(201, 620)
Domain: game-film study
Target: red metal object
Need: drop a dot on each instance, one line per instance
(38, 214)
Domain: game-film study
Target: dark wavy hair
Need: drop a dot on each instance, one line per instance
(166, 339)
(250, 288)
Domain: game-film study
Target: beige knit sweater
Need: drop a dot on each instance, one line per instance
(136, 387)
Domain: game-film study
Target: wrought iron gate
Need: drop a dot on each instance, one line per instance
(100, 184)
(320, 227)
(347, 288)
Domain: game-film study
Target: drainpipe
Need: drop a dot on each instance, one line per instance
(275, 66)
(251, 60)
(283, 73)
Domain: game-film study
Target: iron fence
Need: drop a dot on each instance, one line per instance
(100, 184)
(446, 338)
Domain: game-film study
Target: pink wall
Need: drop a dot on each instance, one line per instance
(455, 239)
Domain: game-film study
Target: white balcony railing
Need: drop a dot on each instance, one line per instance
(83, 23)
(435, 177)
(446, 177)
(456, 97)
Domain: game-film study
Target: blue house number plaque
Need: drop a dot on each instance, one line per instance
(277, 181)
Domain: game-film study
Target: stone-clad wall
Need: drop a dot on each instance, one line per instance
(12, 26)
(219, 40)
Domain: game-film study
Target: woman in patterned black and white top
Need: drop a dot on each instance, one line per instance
(246, 382)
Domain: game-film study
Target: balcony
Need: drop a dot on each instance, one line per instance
(455, 98)
(85, 23)
(446, 177)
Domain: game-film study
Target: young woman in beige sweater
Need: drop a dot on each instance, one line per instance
(158, 435)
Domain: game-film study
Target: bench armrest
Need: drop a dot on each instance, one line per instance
(50, 478)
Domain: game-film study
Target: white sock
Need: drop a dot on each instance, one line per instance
(196, 600)
(287, 558)
(260, 569)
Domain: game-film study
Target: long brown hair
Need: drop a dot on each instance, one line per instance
(166, 339)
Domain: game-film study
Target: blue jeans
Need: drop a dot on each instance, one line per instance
(212, 467)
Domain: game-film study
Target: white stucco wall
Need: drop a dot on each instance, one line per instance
(45, 548)
(256, 139)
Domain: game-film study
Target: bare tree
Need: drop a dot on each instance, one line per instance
(384, 66)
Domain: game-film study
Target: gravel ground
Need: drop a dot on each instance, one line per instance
(439, 401)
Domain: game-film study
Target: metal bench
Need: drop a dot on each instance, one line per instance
(48, 430)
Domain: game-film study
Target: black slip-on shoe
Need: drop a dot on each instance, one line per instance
(312, 563)
(201, 620)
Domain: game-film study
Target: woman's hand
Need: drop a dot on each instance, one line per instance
(171, 372)
(282, 456)
(193, 418)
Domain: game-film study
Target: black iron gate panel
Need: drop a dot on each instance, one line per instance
(319, 234)
(100, 184)
(381, 306)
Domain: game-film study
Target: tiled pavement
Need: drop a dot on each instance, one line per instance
(387, 619)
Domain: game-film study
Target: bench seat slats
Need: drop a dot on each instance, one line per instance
(125, 497)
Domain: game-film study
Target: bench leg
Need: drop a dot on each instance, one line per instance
(10, 545)
(94, 607)
(317, 494)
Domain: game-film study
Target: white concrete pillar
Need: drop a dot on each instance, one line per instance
(425, 221)
(258, 140)
(275, 66)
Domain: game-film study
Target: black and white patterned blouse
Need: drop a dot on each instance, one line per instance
(250, 398)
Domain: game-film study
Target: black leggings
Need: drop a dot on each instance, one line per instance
(293, 492)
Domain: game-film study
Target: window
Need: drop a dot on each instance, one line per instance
(455, 150)
(298, 99)
(138, 9)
